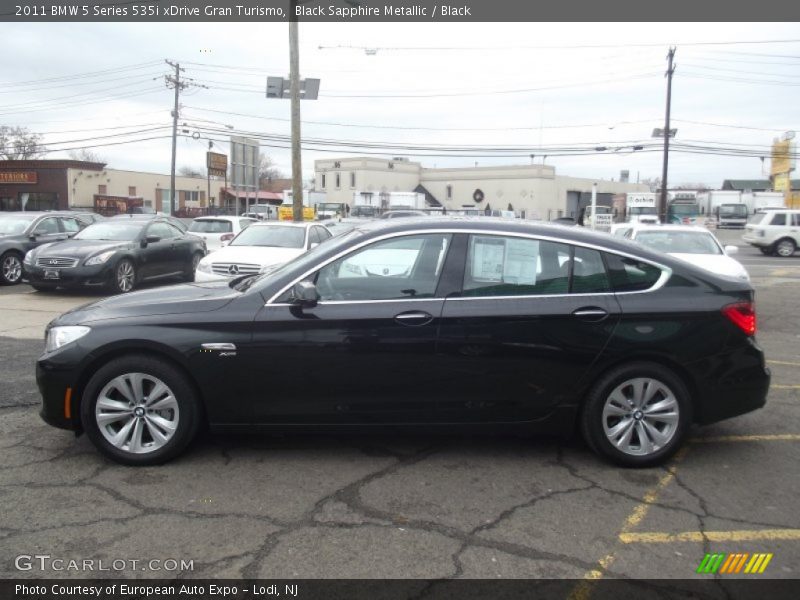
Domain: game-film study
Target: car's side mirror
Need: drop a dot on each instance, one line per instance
(731, 250)
(32, 237)
(150, 239)
(304, 294)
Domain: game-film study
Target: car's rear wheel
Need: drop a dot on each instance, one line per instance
(188, 275)
(10, 268)
(124, 279)
(785, 247)
(637, 415)
(140, 411)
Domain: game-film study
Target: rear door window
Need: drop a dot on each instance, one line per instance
(629, 274)
(588, 272)
(778, 219)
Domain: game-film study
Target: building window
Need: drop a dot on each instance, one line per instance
(449, 192)
(323, 181)
(102, 190)
(338, 180)
(131, 190)
(192, 196)
(352, 180)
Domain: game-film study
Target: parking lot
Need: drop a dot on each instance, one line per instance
(406, 506)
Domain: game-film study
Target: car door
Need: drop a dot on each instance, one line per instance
(158, 258)
(183, 247)
(530, 320)
(364, 353)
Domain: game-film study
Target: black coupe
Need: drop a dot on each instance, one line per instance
(117, 254)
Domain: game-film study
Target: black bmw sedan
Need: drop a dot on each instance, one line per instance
(445, 323)
(116, 254)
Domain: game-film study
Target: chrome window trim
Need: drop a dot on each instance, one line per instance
(666, 272)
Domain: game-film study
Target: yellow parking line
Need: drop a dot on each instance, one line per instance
(583, 590)
(776, 386)
(745, 535)
(783, 362)
(777, 437)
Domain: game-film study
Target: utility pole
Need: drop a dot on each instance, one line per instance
(294, 94)
(663, 199)
(175, 82)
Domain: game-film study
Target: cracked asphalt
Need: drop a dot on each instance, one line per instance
(339, 506)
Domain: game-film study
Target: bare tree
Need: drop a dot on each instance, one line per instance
(267, 170)
(190, 172)
(86, 155)
(18, 143)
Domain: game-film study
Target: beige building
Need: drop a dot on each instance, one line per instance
(84, 184)
(535, 190)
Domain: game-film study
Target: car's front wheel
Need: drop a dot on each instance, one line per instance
(10, 268)
(140, 411)
(785, 247)
(124, 278)
(637, 415)
(766, 250)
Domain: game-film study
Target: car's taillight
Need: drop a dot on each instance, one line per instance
(226, 237)
(743, 315)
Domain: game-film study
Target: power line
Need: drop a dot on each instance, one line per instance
(83, 75)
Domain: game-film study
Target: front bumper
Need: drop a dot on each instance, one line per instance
(56, 379)
(73, 277)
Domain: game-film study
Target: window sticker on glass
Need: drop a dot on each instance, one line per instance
(521, 260)
(487, 258)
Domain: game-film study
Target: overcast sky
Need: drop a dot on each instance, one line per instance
(469, 85)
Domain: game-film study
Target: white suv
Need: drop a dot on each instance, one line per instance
(774, 232)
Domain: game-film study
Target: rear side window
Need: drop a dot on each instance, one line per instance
(630, 275)
(588, 272)
(508, 266)
(796, 220)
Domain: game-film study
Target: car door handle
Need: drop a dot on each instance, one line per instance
(414, 318)
(590, 313)
(219, 346)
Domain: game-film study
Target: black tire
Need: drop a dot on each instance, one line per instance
(121, 282)
(188, 409)
(593, 423)
(784, 247)
(188, 275)
(11, 268)
(767, 250)
(43, 288)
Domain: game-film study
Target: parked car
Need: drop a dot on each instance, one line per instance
(774, 232)
(21, 232)
(88, 217)
(364, 212)
(502, 325)
(217, 231)
(693, 244)
(117, 254)
(259, 247)
(149, 216)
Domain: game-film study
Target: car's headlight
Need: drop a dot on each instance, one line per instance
(28, 260)
(100, 258)
(61, 336)
(204, 266)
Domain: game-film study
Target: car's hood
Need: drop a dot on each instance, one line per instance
(79, 248)
(261, 255)
(720, 264)
(183, 298)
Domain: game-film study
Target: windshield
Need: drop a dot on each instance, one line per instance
(210, 226)
(684, 209)
(679, 242)
(278, 236)
(117, 232)
(14, 224)
(733, 210)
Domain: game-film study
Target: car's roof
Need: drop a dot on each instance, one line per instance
(218, 218)
(284, 224)
(39, 213)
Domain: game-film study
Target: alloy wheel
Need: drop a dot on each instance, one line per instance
(12, 268)
(137, 413)
(640, 416)
(785, 248)
(125, 275)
